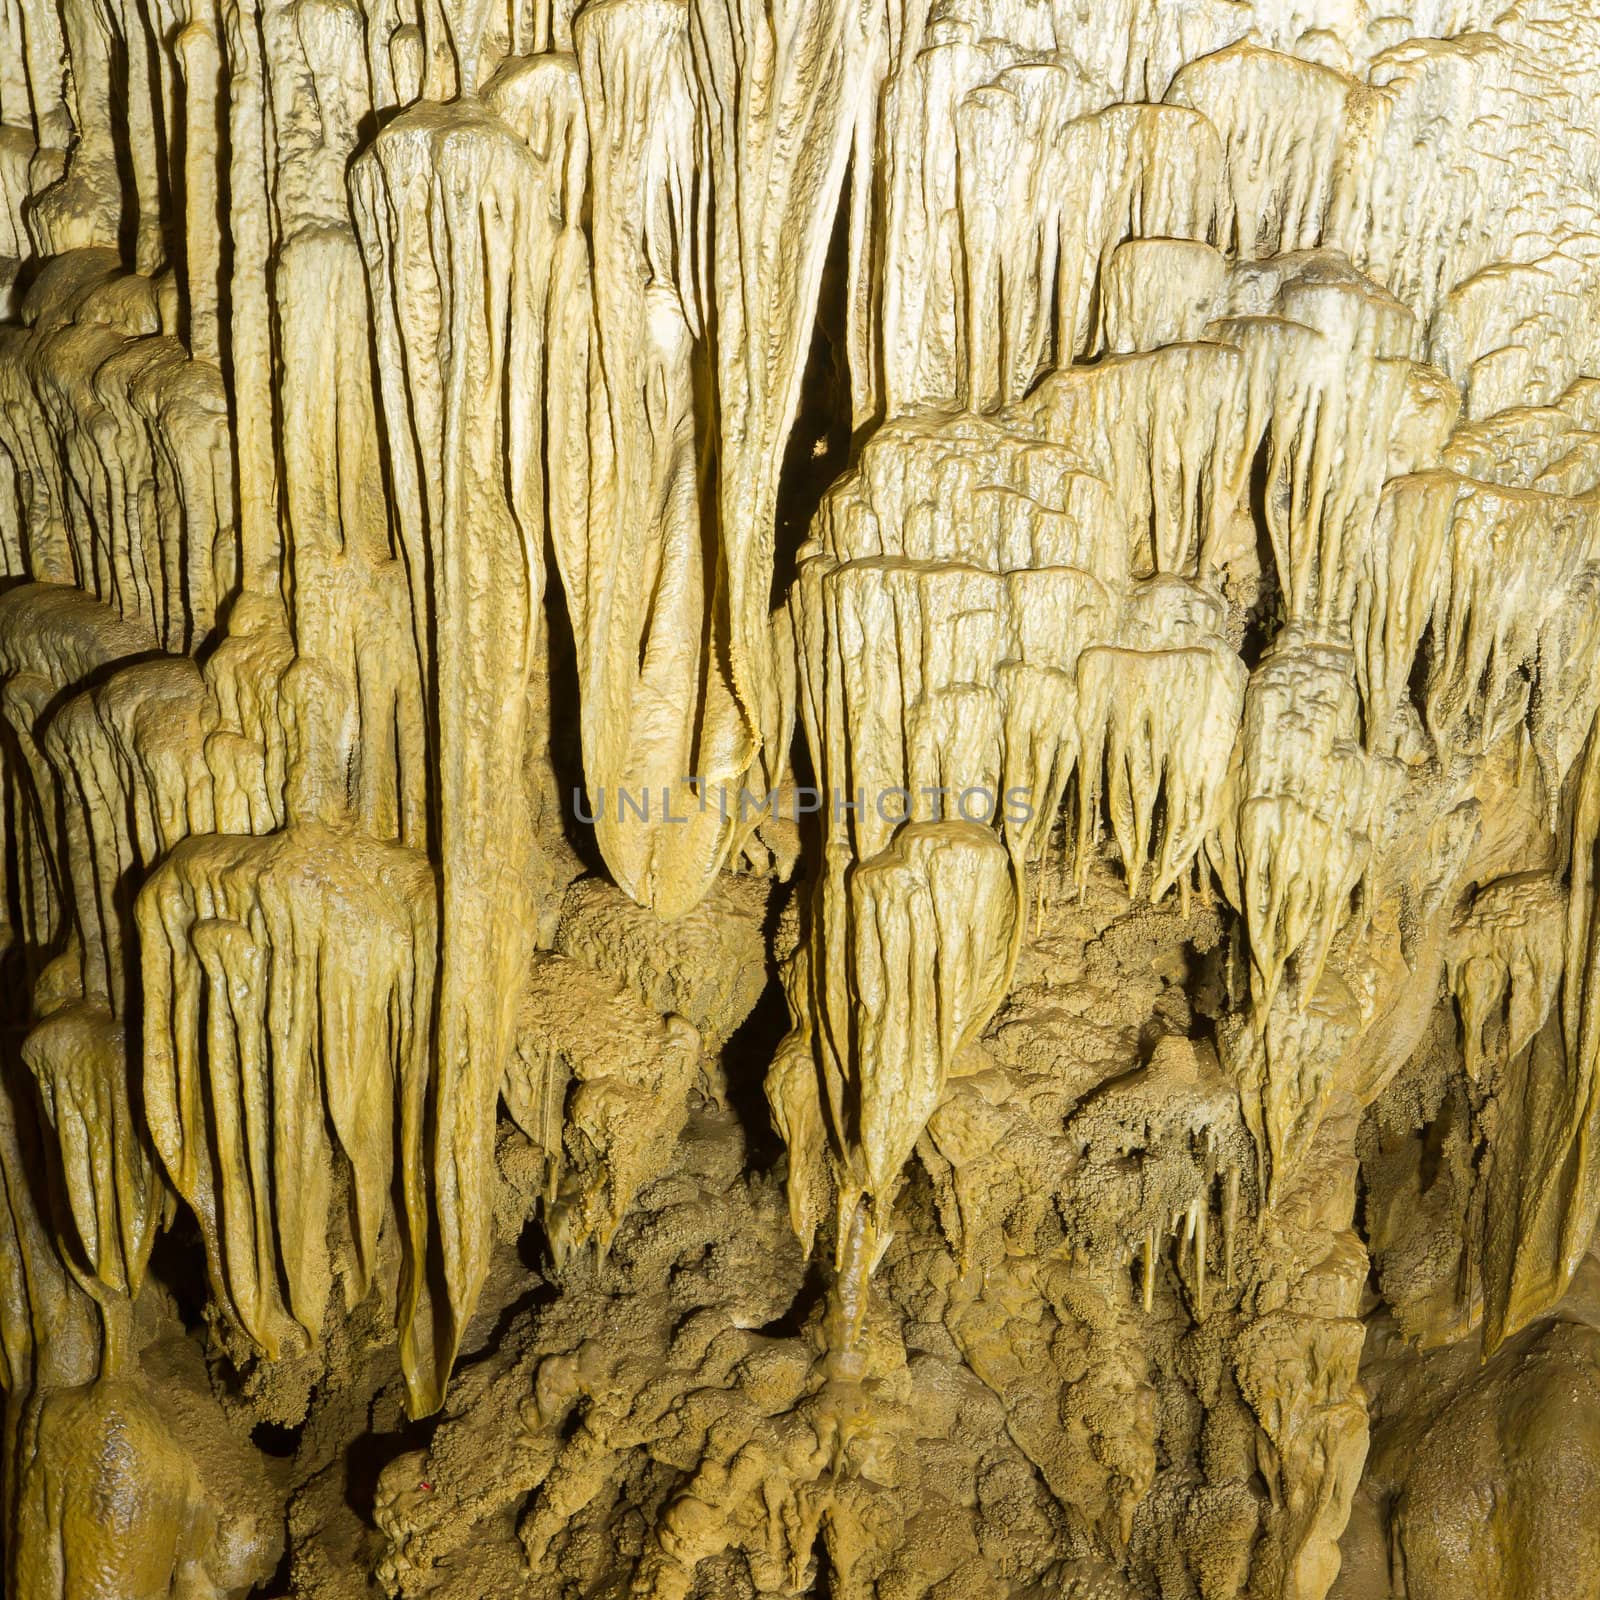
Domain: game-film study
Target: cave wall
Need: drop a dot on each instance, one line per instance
(799, 798)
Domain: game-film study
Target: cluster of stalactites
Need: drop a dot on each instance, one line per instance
(1010, 611)
(267, 1043)
(619, 253)
(1029, 593)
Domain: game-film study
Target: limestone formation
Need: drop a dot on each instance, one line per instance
(799, 798)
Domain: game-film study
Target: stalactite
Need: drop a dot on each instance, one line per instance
(134, 505)
(474, 542)
(78, 1057)
(660, 720)
(779, 93)
(267, 1052)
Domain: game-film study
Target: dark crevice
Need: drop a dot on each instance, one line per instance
(818, 449)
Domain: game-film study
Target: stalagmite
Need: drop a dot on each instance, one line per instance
(604, 1121)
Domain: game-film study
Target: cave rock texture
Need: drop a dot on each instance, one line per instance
(800, 797)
